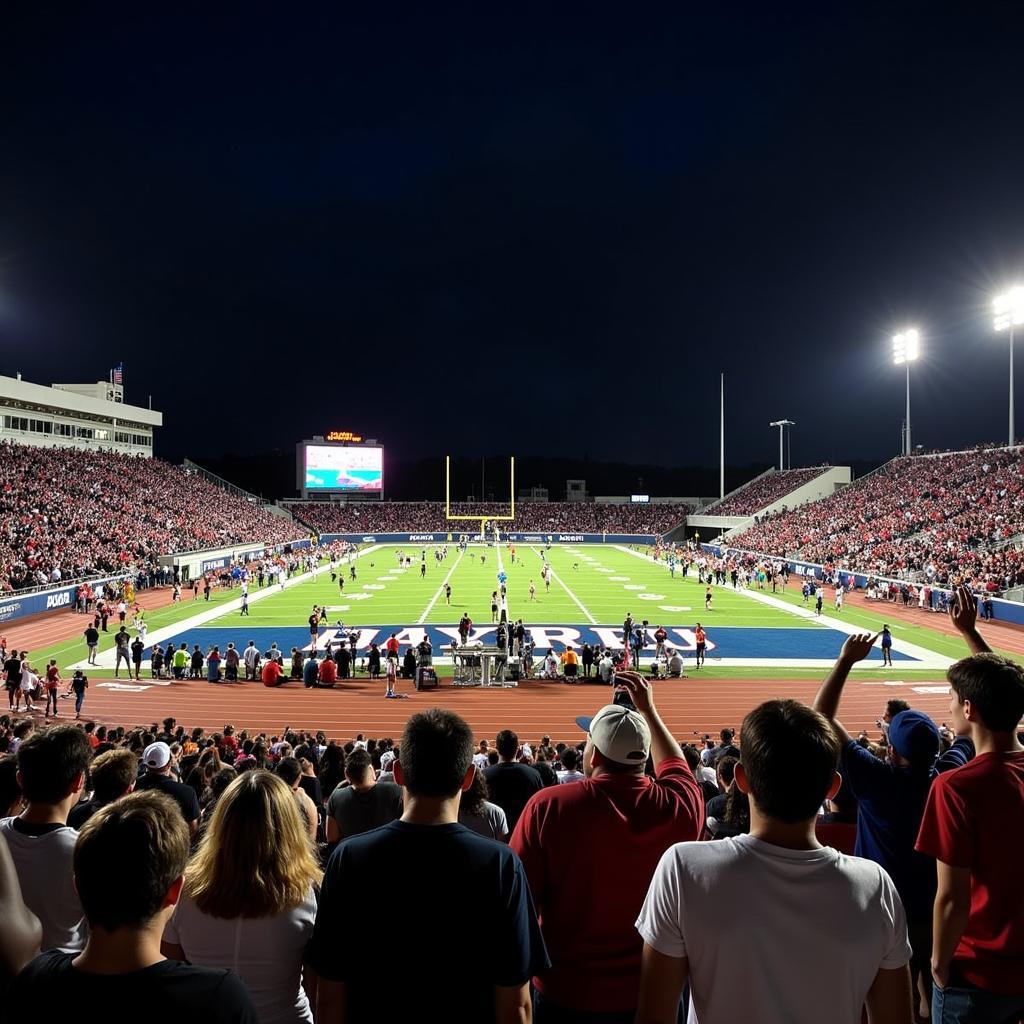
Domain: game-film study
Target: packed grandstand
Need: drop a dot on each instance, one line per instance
(763, 491)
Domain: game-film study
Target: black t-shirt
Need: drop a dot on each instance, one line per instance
(380, 876)
(12, 666)
(311, 784)
(356, 813)
(49, 988)
(510, 786)
(184, 796)
(92, 635)
(82, 812)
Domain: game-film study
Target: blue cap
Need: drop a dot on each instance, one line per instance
(913, 735)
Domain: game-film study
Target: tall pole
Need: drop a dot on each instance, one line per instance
(910, 449)
(782, 431)
(721, 442)
(1012, 431)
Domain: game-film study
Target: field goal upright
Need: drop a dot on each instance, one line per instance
(482, 520)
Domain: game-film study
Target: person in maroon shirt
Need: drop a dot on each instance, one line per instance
(590, 851)
(973, 826)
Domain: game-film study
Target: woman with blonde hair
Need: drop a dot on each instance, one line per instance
(249, 898)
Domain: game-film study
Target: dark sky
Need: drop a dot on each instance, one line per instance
(483, 228)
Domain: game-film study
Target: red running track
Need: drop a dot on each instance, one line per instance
(695, 704)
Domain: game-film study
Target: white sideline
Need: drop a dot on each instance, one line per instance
(925, 658)
(564, 586)
(426, 611)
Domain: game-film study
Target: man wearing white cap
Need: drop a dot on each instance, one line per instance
(157, 759)
(590, 850)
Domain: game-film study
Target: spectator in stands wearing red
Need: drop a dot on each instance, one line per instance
(128, 868)
(617, 823)
(249, 898)
(772, 926)
(328, 672)
(51, 770)
(440, 881)
(974, 827)
(891, 795)
(510, 783)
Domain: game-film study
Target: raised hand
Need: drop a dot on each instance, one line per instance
(963, 610)
(857, 647)
(639, 689)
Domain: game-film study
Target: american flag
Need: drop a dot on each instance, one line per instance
(118, 374)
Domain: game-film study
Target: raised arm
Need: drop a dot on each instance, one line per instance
(963, 615)
(856, 648)
(663, 743)
(21, 931)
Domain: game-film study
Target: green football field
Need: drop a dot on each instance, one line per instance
(592, 589)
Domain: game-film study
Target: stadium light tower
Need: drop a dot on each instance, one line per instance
(1009, 312)
(906, 347)
(781, 424)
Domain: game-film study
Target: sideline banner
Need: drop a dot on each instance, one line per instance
(16, 607)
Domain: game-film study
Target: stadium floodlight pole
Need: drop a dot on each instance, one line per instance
(1009, 311)
(721, 443)
(781, 424)
(906, 347)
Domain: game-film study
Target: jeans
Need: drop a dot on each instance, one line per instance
(962, 1003)
(51, 698)
(79, 700)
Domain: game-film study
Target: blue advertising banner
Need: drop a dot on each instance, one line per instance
(441, 537)
(19, 607)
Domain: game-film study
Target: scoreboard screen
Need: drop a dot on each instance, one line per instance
(338, 467)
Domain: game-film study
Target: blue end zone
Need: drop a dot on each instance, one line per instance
(767, 645)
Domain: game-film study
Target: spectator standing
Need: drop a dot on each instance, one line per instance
(112, 775)
(79, 684)
(478, 814)
(157, 759)
(363, 804)
(977, 958)
(51, 769)
(618, 822)
(249, 898)
(891, 796)
(380, 876)
(772, 926)
(128, 866)
(510, 783)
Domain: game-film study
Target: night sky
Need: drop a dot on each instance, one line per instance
(532, 229)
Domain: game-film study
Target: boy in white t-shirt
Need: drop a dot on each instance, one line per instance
(772, 926)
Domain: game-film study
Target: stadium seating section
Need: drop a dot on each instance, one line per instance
(763, 491)
(938, 517)
(542, 517)
(80, 512)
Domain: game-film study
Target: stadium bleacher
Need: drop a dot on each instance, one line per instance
(542, 517)
(942, 518)
(763, 491)
(73, 513)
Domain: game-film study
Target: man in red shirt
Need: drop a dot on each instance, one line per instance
(271, 673)
(973, 826)
(328, 672)
(590, 851)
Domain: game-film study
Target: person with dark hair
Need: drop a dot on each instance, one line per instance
(718, 821)
(568, 772)
(290, 771)
(818, 935)
(510, 783)
(891, 795)
(974, 827)
(617, 822)
(128, 867)
(478, 814)
(51, 769)
(111, 775)
(363, 804)
(381, 875)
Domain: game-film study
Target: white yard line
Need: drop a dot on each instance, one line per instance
(426, 611)
(158, 636)
(579, 604)
(925, 658)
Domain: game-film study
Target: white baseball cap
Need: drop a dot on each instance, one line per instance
(620, 733)
(156, 755)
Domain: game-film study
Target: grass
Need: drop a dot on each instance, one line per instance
(595, 584)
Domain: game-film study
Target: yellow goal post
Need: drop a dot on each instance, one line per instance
(482, 520)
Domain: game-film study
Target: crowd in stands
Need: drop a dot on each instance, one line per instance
(940, 519)
(280, 878)
(763, 491)
(545, 517)
(67, 513)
